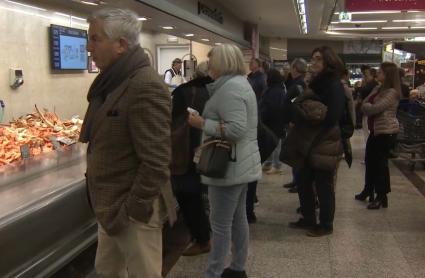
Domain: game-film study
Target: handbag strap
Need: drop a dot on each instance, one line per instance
(221, 127)
(222, 143)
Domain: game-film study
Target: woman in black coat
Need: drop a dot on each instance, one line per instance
(270, 112)
(327, 87)
(187, 186)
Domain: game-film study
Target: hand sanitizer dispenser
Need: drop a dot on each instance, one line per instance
(16, 78)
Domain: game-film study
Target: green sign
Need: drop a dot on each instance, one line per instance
(344, 17)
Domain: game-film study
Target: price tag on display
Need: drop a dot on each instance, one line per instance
(65, 140)
(55, 143)
(25, 151)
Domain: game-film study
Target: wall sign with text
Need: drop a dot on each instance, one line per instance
(377, 5)
(211, 13)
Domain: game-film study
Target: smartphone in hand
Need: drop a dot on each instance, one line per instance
(192, 111)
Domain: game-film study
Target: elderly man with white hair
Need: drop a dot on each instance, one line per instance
(127, 128)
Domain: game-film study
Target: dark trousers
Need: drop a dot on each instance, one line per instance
(295, 173)
(250, 197)
(377, 176)
(188, 192)
(325, 188)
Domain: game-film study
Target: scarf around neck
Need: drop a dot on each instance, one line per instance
(107, 81)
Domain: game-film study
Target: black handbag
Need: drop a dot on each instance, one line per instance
(267, 141)
(213, 156)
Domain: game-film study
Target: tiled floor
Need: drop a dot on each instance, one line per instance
(383, 243)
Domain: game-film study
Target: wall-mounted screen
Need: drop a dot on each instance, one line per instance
(68, 48)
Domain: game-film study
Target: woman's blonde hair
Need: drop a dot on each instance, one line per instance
(226, 59)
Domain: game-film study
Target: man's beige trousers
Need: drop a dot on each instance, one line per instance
(135, 252)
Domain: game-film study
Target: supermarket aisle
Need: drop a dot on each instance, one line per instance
(383, 243)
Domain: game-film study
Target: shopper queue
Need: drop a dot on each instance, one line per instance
(307, 117)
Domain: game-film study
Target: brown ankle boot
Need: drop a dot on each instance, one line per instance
(197, 249)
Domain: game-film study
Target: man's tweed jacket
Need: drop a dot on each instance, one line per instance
(129, 155)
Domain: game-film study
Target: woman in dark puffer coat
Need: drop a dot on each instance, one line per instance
(324, 151)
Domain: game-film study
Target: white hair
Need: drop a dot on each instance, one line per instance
(119, 23)
(201, 70)
(300, 65)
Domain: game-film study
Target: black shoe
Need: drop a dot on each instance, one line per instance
(252, 218)
(380, 201)
(363, 195)
(319, 231)
(393, 154)
(230, 273)
(289, 185)
(302, 224)
(293, 189)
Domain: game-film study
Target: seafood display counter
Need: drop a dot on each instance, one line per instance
(45, 217)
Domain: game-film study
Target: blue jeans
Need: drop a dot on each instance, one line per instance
(273, 159)
(229, 228)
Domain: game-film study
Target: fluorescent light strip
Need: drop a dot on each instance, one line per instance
(395, 28)
(409, 20)
(79, 18)
(189, 35)
(302, 15)
(168, 27)
(61, 14)
(360, 21)
(279, 49)
(373, 12)
(354, 29)
(89, 3)
(142, 18)
(27, 6)
(80, 24)
(332, 33)
(25, 12)
(205, 40)
(415, 39)
(417, 27)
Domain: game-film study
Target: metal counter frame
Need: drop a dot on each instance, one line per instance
(45, 218)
